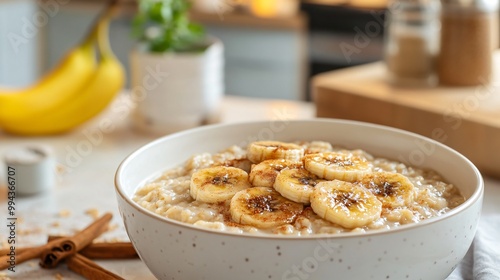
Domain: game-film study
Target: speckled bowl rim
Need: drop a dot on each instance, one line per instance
(476, 195)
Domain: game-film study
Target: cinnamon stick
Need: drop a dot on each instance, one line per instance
(25, 255)
(56, 250)
(106, 250)
(114, 250)
(64, 247)
(89, 269)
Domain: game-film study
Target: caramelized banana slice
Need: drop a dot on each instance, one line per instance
(315, 147)
(346, 204)
(217, 184)
(342, 165)
(264, 174)
(264, 150)
(296, 184)
(263, 207)
(392, 189)
(241, 163)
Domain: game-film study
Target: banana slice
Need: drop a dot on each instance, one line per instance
(263, 207)
(296, 184)
(346, 204)
(241, 163)
(217, 184)
(315, 147)
(341, 165)
(263, 150)
(264, 174)
(392, 189)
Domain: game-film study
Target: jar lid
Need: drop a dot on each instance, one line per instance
(30, 169)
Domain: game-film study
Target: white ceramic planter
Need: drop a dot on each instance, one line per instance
(177, 91)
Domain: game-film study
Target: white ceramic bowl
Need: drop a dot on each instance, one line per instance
(428, 250)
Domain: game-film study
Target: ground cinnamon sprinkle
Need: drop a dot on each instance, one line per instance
(465, 57)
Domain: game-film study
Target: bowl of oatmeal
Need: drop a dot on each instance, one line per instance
(299, 200)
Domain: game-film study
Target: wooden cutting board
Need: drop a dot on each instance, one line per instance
(464, 118)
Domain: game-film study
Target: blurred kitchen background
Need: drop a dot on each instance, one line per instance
(272, 47)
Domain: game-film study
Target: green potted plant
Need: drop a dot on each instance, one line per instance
(177, 71)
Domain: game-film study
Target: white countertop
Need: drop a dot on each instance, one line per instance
(88, 159)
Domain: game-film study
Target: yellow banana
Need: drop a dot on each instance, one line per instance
(55, 89)
(90, 100)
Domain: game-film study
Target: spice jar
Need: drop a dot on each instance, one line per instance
(468, 36)
(412, 41)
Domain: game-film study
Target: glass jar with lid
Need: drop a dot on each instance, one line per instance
(412, 41)
(468, 36)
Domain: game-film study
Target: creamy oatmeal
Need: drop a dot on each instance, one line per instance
(297, 189)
